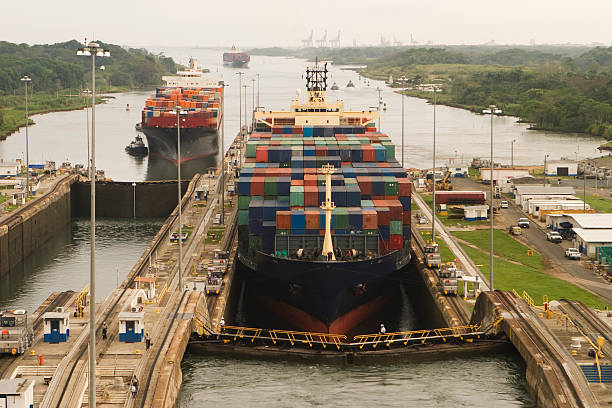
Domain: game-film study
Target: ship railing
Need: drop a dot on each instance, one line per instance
(237, 333)
(464, 333)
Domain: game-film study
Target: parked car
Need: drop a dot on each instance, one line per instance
(514, 230)
(523, 222)
(554, 236)
(572, 253)
(504, 204)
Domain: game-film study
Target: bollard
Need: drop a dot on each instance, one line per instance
(41, 359)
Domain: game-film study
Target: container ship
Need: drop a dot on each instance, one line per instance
(199, 98)
(324, 213)
(236, 58)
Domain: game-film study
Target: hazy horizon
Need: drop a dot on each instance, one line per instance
(286, 24)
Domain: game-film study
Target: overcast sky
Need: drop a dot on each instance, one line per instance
(285, 22)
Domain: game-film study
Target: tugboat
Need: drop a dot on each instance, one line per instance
(138, 126)
(137, 147)
(335, 87)
(350, 84)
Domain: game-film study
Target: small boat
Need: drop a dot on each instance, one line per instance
(137, 147)
(350, 84)
(138, 126)
(335, 87)
(127, 107)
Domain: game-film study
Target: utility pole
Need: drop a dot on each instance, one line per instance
(512, 157)
(25, 81)
(379, 100)
(403, 97)
(245, 108)
(240, 74)
(433, 175)
(223, 153)
(253, 105)
(258, 105)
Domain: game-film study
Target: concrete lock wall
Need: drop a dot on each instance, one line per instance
(116, 199)
(34, 226)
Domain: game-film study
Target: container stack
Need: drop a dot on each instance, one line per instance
(280, 189)
(203, 106)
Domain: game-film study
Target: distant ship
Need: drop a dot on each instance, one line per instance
(199, 98)
(335, 87)
(236, 58)
(350, 84)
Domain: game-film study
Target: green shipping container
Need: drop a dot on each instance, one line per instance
(390, 185)
(243, 217)
(251, 149)
(271, 186)
(395, 227)
(367, 204)
(341, 219)
(390, 150)
(243, 202)
(296, 196)
(255, 242)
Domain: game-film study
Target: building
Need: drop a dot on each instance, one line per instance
(539, 208)
(475, 212)
(547, 190)
(578, 220)
(17, 393)
(9, 169)
(458, 171)
(503, 176)
(561, 168)
(588, 240)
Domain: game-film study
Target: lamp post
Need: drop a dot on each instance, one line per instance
(253, 105)
(224, 85)
(433, 175)
(512, 154)
(492, 111)
(93, 50)
(179, 111)
(87, 93)
(245, 108)
(25, 81)
(258, 91)
(240, 74)
(546, 156)
(403, 98)
(379, 100)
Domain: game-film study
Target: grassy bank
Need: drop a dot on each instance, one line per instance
(599, 204)
(527, 275)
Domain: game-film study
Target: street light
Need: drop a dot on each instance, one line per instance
(25, 81)
(253, 106)
(379, 100)
(240, 74)
(224, 85)
(403, 98)
(546, 156)
(433, 175)
(92, 50)
(492, 111)
(245, 108)
(178, 110)
(258, 91)
(87, 93)
(134, 185)
(512, 156)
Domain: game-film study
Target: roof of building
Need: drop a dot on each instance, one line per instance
(561, 162)
(55, 315)
(476, 207)
(592, 221)
(15, 386)
(131, 315)
(539, 190)
(527, 180)
(594, 235)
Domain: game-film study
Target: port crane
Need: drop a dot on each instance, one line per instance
(307, 42)
(383, 41)
(396, 42)
(336, 41)
(323, 41)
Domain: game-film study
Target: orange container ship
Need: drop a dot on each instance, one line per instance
(199, 99)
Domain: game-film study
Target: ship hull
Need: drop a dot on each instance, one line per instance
(328, 297)
(196, 143)
(236, 64)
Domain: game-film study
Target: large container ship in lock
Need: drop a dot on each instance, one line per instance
(235, 58)
(324, 213)
(199, 98)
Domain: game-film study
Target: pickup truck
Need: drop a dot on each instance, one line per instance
(572, 253)
(523, 222)
(554, 236)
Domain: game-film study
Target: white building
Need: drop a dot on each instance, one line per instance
(17, 393)
(458, 171)
(526, 199)
(9, 169)
(548, 190)
(561, 168)
(475, 212)
(587, 240)
(535, 207)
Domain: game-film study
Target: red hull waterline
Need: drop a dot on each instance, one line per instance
(183, 159)
(309, 323)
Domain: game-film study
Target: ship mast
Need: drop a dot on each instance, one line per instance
(316, 84)
(328, 206)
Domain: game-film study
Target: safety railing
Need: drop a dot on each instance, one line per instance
(235, 333)
(81, 301)
(419, 336)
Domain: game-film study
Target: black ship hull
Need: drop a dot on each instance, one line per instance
(196, 143)
(328, 297)
(237, 64)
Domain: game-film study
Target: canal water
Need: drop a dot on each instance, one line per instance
(63, 263)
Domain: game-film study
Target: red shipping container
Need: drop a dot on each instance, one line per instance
(383, 164)
(312, 220)
(396, 242)
(384, 215)
(311, 197)
(257, 186)
(274, 143)
(407, 217)
(284, 172)
(395, 207)
(297, 130)
(404, 187)
(308, 142)
(277, 130)
(297, 182)
(259, 171)
(262, 154)
(296, 208)
(310, 180)
(383, 246)
(283, 220)
(309, 170)
(369, 154)
(390, 197)
(379, 203)
(365, 185)
(321, 151)
(370, 219)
